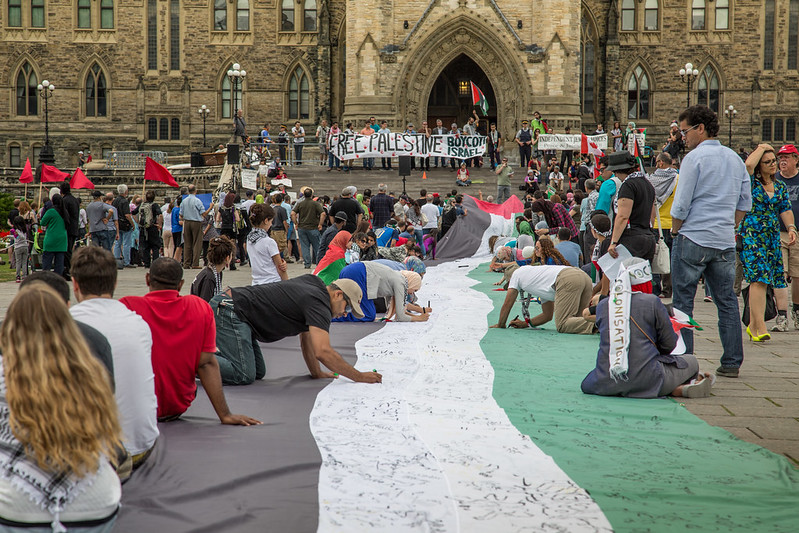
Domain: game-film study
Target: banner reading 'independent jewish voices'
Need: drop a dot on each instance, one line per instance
(355, 146)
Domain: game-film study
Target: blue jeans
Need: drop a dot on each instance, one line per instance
(105, 239)
(333, 161)
(298, 153)
(126, 240)
(689, 261)
(309, 241)
(237, 351)
(503, 193)
(48, 258)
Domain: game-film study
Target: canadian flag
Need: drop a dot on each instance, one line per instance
(589, 147)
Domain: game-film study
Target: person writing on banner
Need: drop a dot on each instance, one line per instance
(564, 292)
(301, 306)
(635, 208)
(760, 229)
(635, 359)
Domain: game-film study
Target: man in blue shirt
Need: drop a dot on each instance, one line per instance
(387, 235)
(710, 201)
(191, 212)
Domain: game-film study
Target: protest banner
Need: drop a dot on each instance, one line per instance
(552, 141)
(249, 179)
(356, 146)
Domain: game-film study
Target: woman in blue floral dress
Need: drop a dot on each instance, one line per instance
(761, 255)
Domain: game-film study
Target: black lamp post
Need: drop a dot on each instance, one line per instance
(204, 111)
(236, 75)
(687, 75)
(730, 113)
(46, 155)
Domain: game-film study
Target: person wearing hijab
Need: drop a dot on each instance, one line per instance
(259, 199)
(330, 266)
(380, 281)
(638, 360)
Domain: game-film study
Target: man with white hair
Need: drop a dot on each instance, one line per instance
(382, 206)
(126, 225)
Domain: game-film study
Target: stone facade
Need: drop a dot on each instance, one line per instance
(160, 60)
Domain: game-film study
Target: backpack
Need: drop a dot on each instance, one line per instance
(146, 215)
(243, 222)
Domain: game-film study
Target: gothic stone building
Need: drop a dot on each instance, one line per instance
(131, 74)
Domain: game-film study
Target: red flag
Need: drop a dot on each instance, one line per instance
(52, 174)
(156, 172)
(80, 181)
(27, 173)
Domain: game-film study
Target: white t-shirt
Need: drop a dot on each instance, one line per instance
(261, 253)
(131, 345)
(537, 280)
(247, 204)
(430, 211)
(301, 131)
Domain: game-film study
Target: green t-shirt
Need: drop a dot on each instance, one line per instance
(55, 238)
(308, 212)
(503, 178)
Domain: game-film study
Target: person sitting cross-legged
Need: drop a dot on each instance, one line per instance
(184, 344)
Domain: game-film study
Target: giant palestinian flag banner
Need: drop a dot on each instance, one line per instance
(355, 146)
(472, 430)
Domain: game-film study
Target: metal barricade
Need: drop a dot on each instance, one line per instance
(134, 160)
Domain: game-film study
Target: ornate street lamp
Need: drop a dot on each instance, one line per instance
(236, 75)
(688, 74)
(204, 111)
(730, 113)
(46, 155)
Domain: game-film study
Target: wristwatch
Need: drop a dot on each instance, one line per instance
(614, 243)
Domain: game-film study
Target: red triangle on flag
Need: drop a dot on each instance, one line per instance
(27, 173)
(156, 172)
(51, 174)
(80, 181)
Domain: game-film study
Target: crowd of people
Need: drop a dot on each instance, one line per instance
(587, 250)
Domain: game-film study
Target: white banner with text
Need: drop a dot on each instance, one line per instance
(553, 141)
(355, 146)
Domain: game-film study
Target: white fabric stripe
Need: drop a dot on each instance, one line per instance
(430, 449)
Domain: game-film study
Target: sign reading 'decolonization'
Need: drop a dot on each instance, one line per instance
(355, 146)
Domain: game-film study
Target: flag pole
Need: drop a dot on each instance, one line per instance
(40, 193)
(143, 187)
(25, 196)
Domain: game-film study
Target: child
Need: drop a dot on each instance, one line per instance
(208, 282)
(267, 265)
(430, 243)
(20, 233)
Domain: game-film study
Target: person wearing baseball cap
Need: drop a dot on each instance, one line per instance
(301, 306)
(788, 174)
(339, 221)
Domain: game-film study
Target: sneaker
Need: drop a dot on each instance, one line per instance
(307, 267)
(795, 315)
(782, 324)
(708, 299)
(700, 389)
(727, 371)
(289, 260)
(19, 280)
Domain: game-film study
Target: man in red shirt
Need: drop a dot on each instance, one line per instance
(184, 344)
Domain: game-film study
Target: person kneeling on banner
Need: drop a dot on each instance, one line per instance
(564, 292)
(638, 344)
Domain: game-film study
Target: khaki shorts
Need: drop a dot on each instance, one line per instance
(280, 239)
(790, 256)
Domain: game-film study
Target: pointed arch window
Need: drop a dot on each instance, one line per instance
(708, 88)
(651, 15)
(96, 92)
(227, 95)
(309, 16)
(638, 94)
(286, 15)
(242, 15)
(628, 15)
(588, 65)
(299, 94)
(27, 97)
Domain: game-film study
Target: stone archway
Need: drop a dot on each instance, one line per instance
(436, 49)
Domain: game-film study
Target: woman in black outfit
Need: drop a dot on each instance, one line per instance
(227, 217)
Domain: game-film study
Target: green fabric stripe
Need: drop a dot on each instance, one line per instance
(330, 273)
(651, 465)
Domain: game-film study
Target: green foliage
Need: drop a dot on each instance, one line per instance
(6, 205)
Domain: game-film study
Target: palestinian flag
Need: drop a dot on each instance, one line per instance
(330, 266)
(472, 430)
(469, 235)
(479, 99)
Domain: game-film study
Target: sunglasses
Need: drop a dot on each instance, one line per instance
(348, 306)
(689, 129)
(768, 161)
